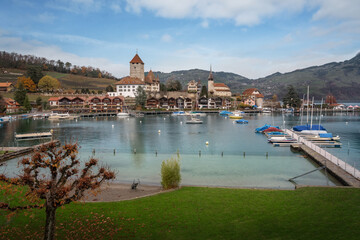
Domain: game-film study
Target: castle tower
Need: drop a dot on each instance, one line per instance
(137, 68)
(210, 82)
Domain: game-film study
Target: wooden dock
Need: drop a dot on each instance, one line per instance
(28, 136)
(20, 151)
(335, 170)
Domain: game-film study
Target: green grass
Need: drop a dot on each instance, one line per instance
(205, 213)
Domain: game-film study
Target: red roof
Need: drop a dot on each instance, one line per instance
(249, 91)
(53, 99)
(5, 84)
(220, 85)
(10, 101)
(150, 77)
(130, 81)
(136, 59)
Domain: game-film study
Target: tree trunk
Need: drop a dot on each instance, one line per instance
(50, 221)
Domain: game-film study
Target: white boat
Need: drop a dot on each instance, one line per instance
(123, 115)
(197, 114)
(194, 121)
(59, 116)
(266, 110)
(312, 132)
(284, 139)
(5, 119)
(179, 113)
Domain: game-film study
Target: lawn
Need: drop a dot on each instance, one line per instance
(204, 213)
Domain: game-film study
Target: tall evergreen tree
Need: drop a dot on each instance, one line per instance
(204, 92)
(140, 98)
(27, 104)
(35, 73)
(292, 99)
(20, 94)
(2, 104)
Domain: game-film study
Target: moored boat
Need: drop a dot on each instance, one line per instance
(242, 121)
(123, 115)
(194, 121)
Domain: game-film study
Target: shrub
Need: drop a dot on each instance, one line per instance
(170, 173)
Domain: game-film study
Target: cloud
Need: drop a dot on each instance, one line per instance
(45, 18)
(166, 38)
(75, 6)
(16, 44)
(115, 7)
(246, 12)
(242, 12)
(205, 24)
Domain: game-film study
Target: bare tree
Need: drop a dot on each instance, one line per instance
(53, 173)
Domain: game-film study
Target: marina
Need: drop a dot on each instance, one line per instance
(215, 153)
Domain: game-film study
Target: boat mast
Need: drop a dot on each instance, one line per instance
(307, 108)
(312, 113)
(320, 112)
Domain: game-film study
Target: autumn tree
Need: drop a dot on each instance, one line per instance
(48, 83)
(173, 85)
(27, 83)
(61, 180)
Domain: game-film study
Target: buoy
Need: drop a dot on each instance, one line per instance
(233, 122)
(346, 123)
(207, 143)
(140, 121)
(112, 126)
(164, 118)
(58, 124)
(51, 130)
(181, 122)
(159, 131)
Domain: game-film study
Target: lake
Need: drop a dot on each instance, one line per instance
(234, 157)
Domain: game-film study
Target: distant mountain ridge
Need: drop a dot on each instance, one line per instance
(342, 79)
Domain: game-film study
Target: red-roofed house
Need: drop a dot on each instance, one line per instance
(128, 86)
(11, 105)
(6, 87)
(252, 96)
(53, 101)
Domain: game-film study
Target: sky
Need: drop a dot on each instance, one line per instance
(253, 38)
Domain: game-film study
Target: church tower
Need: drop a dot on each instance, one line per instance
(210, 82)
(137, 68)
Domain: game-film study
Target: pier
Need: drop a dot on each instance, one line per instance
(344, 172)
(20, 151)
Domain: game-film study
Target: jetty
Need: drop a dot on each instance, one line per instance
(20, 151)
(342, 171)
(28, 136)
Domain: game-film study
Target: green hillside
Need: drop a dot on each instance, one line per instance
(340, 79)
(67, 81)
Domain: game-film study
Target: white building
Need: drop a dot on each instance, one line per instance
(128, 86)
(217, 89)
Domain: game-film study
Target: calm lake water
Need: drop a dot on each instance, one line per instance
(221, 163)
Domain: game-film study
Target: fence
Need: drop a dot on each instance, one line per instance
(345, 166)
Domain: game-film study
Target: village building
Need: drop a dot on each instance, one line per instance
(6, 87)
(87, 104)
(127, 86)
(217, 89)
(253, 97)
(11, 105)
(194, 87)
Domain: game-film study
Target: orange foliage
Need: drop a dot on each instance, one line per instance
(27, 83)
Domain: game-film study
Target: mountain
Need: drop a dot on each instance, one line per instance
(234, 81)
(341, 79)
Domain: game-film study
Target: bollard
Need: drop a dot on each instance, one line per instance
(267, 154)
(244, 154)
(114, 151)
(222, 154)
(199, 153)
(93, 151)
(134, 150)
(156, 153)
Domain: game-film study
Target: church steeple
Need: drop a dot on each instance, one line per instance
(211, 77)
